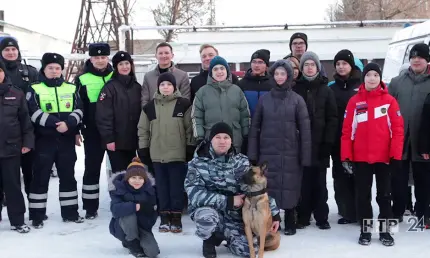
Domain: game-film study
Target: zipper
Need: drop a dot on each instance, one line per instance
(56, 96)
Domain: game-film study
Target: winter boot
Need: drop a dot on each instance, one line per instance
(78, 220)
(175, 222)
(21, 229)
(164, 222)
(343, 221)
(290, 222)
(37, 224)
(323, 225)
(91, 215)
(134, 248)
(365, 238)
(210, 244)
(386, 239)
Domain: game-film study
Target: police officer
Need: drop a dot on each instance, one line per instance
(16, 137)
(97, 72)
(22, 76)
(56, 111)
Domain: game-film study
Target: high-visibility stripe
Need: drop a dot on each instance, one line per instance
(43, 119)
(69, 202)
(36, 115)
(90, 187)
(69, 194)
(90, 196)
(34, 196)
(37, 205)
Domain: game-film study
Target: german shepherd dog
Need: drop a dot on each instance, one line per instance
(256, 212)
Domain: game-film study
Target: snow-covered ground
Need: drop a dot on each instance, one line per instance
(92, 239)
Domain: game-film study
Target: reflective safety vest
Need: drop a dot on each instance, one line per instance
(94, 84)
(55, 99)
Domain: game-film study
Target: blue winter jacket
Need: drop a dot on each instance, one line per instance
(123, 203)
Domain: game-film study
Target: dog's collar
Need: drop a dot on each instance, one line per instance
(257, 193)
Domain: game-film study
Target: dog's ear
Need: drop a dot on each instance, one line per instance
(263, 167)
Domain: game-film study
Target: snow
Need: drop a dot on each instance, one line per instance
(92, 239)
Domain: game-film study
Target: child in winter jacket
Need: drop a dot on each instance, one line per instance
(165, 137)
(372, 139)
(134, 210)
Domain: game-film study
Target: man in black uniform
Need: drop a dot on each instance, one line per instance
(16, 138)
(22, 76)
(97, 72)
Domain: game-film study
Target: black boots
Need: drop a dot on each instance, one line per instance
(164, 222)
(290, 222)
(134, 248)
(365, 238)
(176, 222)
(210, 244)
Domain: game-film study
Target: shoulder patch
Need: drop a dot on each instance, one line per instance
(102, 96)
(191, 176)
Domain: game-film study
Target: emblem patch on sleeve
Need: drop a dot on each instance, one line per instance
(102, 96)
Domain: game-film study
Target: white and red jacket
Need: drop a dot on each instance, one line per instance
(373, 127)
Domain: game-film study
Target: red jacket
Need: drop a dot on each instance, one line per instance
(373, 127)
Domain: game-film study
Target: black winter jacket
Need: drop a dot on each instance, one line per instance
(343, 90)
(16, 129)
(20, 75)
(118, 112)
(322, 110)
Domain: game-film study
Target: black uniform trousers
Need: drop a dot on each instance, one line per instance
(61, 150)
(120, 159)
(94, 154)
(344, 191)
(27, 169)
(169, 178)
(314, 195)
(421, 175)
(363, 173)
(10, 179)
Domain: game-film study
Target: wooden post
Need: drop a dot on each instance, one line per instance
(1, 19)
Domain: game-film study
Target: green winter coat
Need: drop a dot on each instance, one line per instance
(165, 127)
(221, 102)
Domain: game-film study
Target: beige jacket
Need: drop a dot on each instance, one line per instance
(149, 86)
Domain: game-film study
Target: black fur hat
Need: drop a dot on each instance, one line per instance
(99, 49)
(52, 58)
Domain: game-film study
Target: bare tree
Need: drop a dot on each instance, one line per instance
(348, 10)
(179, 12)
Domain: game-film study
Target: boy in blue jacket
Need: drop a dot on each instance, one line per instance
(134, 210)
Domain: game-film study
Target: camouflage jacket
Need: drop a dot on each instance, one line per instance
(210, 180)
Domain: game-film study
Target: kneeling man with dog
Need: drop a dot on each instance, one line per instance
(217, 190)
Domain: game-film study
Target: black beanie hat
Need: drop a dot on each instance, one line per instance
(167, 76)
(262, 54)
(220, 127)
(420, 50)
(52, 58)
(8, 42)
(99, 49)
(346, 56)
(119, 57)
(299, 35)
(371, 67)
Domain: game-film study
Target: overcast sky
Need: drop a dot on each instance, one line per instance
(62, 20)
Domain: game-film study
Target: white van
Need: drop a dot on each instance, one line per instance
(400, 46)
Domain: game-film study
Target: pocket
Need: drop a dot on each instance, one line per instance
(13, 145)
(173, 134)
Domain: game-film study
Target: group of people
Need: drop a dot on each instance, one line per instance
(201, 137)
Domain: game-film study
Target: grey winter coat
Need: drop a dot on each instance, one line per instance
(281, 135)
(410, 91)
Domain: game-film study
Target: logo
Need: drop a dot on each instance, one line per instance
(67, 104)
(99, 51)
(392, 225)
(180, 115)
(383, 110)
(361, 103)
(9, 98)
(102, 96)
(10, 43)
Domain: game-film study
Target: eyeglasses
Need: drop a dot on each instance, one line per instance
(310, 65)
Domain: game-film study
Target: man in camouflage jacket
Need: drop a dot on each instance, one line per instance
(212, 182)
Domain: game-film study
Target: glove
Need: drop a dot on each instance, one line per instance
(189, 152)
(396, 164)
(244, 148)
(348, 167)
(277, 217)
(144, 155)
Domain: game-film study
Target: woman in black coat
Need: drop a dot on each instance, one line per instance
(321, 103)
(280, 134)
(118, 112)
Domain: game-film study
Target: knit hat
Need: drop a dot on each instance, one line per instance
(371, 67)
(420, 50)
(135, 168)
(217, 60)
(167, 76)
(286, 65)
(262, 54)
(299, 35)
(346, 56)
(309, 55)
(99, 49)
(119, 57)
(52, 58)
(220, 127)
(8, 42)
